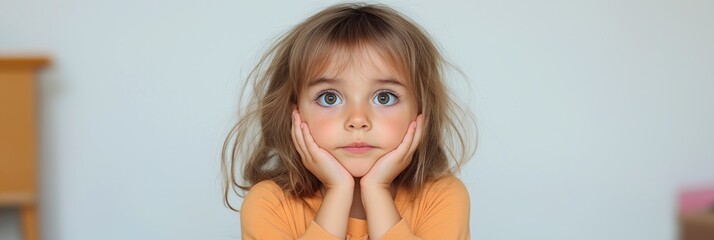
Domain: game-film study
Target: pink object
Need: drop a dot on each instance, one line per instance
(358, 147)
(358, 150)
(696, 200)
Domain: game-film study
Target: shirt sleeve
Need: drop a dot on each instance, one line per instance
(445, 210)
(263, 216)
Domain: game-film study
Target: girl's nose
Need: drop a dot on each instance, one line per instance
(358, 119)
(358, 126)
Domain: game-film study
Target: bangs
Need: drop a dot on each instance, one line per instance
(342, 56)
(338, 39)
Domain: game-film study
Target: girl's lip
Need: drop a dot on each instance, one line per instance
(357, 149)
(358, 144)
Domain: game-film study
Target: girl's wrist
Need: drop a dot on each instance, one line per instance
(335, 210)
(343, 187)
(366, 185)
(343, 194)
(369, 189)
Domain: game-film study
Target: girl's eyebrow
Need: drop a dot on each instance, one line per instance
(323, 80)
(390, 81)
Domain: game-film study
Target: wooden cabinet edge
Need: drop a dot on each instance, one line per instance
(22, 63)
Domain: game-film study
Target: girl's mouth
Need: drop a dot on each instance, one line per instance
(358, 148)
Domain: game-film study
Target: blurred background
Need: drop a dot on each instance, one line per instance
(593, 115)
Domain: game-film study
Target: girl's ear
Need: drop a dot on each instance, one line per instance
(293, 106)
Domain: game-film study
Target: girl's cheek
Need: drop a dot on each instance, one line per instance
(397, 119)
(393, 122)
(395, 129)
(321, 129)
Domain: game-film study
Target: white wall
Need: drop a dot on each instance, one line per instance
(592, 113)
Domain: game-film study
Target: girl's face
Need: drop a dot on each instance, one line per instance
(365, 103)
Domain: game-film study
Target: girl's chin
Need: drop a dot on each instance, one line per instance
(358, 168)
(359, 173)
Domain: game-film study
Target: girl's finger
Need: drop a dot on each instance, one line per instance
(301, 139)
(293, 133)
(407, 141)
(417, 135)
(312, 147)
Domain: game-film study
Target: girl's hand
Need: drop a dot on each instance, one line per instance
(394, 162)
(318, 160)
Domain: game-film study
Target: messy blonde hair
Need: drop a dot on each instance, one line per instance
(260, 141)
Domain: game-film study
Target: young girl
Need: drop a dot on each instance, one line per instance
(350, 134)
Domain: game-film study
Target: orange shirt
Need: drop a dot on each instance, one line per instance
(440, 211)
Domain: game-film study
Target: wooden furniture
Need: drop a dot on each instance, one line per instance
(18, 139)
(696, 213)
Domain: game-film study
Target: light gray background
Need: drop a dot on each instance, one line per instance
(593, 114)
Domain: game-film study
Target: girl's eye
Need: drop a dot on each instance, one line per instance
(385, 98)
(328, 99)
